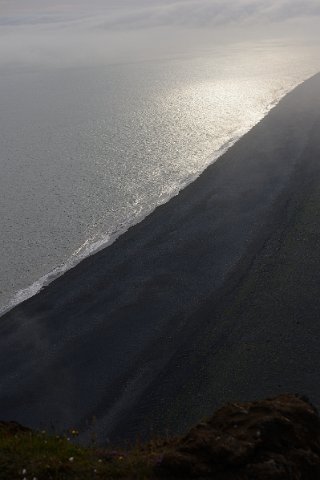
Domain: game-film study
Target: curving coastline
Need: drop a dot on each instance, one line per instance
(121, 336)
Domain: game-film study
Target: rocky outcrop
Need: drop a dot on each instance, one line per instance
(273, 439)
(12, 428)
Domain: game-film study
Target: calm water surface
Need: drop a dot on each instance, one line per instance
(87, 152)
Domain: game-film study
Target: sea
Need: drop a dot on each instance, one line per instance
(88, 151)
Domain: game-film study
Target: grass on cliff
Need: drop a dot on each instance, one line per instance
(32, 455)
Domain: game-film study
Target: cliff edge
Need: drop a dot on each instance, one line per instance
(274, 439)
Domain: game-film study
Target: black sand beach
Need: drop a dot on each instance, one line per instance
(214, 297)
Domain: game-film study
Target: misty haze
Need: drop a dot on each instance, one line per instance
(159, 207)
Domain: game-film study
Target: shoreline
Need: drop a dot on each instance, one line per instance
(258, 334)
(97, 340)
(107, 239)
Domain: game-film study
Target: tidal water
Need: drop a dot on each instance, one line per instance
(87, 152)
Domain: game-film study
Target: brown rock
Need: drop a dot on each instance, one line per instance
(12, 428)
(272, 439)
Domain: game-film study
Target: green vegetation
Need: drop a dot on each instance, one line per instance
(32, 455)
(261, 440)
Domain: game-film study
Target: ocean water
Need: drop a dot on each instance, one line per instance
(87, 152)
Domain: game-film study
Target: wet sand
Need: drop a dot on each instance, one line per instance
(213, 297)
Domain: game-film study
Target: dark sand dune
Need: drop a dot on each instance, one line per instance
(213, 297)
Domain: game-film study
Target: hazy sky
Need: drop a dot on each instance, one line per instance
(56, 31)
